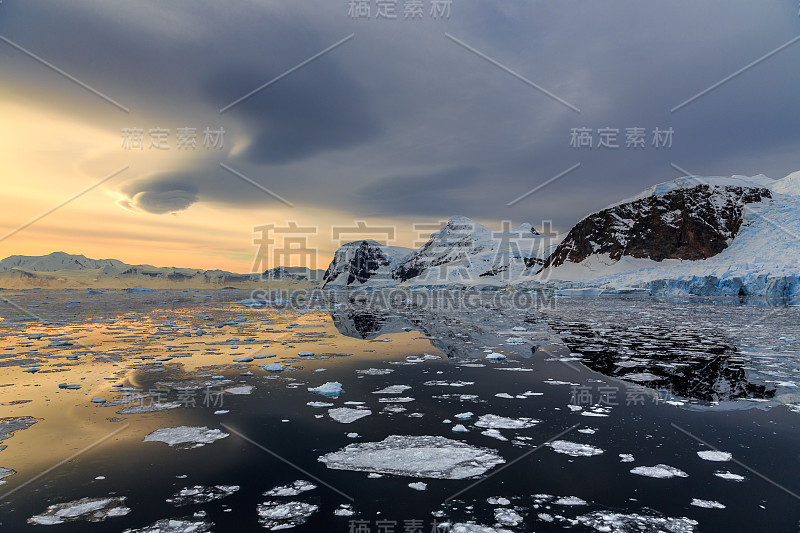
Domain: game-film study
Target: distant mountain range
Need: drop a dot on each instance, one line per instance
(696, 235)
(60, 269)
(735, 236)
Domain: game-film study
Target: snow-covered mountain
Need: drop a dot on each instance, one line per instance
(57, 261)
(690, 218)
(359, 262)
(60, 269)
(466, 252)
(693, 235)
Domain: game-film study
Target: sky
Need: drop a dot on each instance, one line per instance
(332, 117)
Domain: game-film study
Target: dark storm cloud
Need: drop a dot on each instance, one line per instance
(161, 194)
(317, 109)
(343, 131)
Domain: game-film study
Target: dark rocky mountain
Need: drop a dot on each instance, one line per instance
(357, 262)
(684, 223)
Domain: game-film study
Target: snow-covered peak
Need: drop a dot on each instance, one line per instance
(688, 182)
(788, 185)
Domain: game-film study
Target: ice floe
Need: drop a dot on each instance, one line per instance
(393, 389)
(346, 415)
(574, 449)
(659, 471)
(730, 476)
(284, 515)
(415, 456)
(418, 485)
(175, 525)
(200, 494)
(186, 436)
(707, 504)
(715, 455)
(292, 489)
(88, 509)
(331, 389)
(501, 422)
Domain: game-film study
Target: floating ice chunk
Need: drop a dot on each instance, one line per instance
(504, 395)
(292, 489)
(353, 435)
(305, 353)
(715, 455)
(375, 371)
(393, 389)
(730, 476)
(415, 456)
(284, 515)
(641, 377)
(346, 415)
(273, 367)
(186, 436)
(464, 416)
(418, 485)
(659, 471)
(515, 340)
(574, 449)
(176, 525)
(396, 399)
(495, 434)
(243, 360)
(507, 517)
(608, 521)
(98, 400)
(459, 428)
(495, 356)
(707, 504)
(221, 412)
(422, 359)
(501, 422)
(320, 404)
(331, 389)
(449, 383)
(200, 494)
(587, 431)
(6, 472)
(626, 458)
(240, 390)
(498, 500)
(344, 509)
(89, 509)
(570, 500)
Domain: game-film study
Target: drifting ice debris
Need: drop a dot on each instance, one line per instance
(273, 367)
(69, 386)
(713, 455)
(464, 416)
(707, 504)
(495, 356)
(175, 525)
(440, 383)
(498, 500)
(331, 389)
(728, 475)
(574, 449)
(626, 458)
(570, 500)
(345, 415)
(459, 428)
(659, 471)
(507, 517)
(393, 389)
(344, 509)
(305, 353)
(240, 390)
(375, 371)
(418, 485)
(501, 422)
(89, 509)
(495, 434)
(4, 473)
(608, 521)
(475, 528)
(415, 456)
(319, 404)
(284, 515)
(200, 494)
(186, 436)
(292, 489)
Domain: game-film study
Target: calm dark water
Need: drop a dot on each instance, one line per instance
(724, 375)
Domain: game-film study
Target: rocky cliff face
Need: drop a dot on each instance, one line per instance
(691, 223)
(357, 262)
